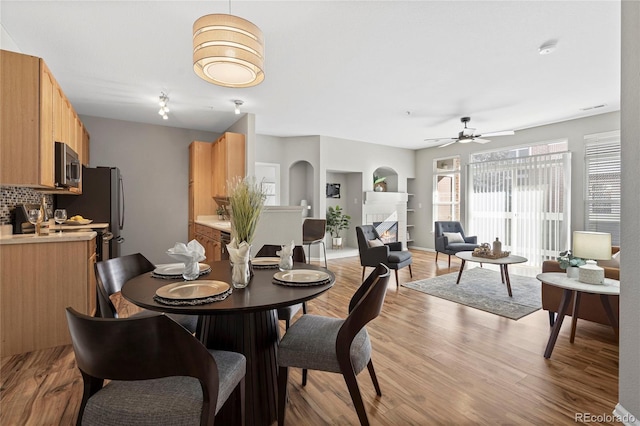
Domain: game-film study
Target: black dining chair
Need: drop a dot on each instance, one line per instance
(286, 313)
(111, 275)
(313, 232)
(450, 239)
(373, 251)
(335, 345)
(158, 373)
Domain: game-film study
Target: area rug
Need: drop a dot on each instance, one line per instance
(482, 289)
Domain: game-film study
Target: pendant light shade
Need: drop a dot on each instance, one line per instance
(228, 51)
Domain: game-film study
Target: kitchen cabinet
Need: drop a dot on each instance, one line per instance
(227, 162)
(38, 281)
(200, 201)
(214, 242)
(35, 114)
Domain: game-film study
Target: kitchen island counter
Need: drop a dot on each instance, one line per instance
(63, 237)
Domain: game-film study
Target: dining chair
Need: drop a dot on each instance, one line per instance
(373, 251)
(111, 275)
(286, 313)
(158, 373)
(313, 232)
(335, 345)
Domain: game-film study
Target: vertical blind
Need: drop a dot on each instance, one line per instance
(524, 201)
(603, 181)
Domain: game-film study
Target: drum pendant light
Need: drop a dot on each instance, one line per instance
(228, 51)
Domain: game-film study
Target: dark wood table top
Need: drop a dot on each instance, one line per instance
(260, 295)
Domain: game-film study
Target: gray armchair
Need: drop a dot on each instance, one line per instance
(443, 245)
(373, 254)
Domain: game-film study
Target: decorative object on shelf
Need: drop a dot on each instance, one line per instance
(566, 260)
(486, 251)
(164, 106)
(246, 201)
(379, 184)
(222, 213)
(305, 208)
(592, 246)
(336, 222)
(228, 51)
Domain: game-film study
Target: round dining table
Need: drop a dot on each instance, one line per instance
(245, 322)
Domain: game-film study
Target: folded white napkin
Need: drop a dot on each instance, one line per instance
(286, 251)
(186, 253)
(239, 253)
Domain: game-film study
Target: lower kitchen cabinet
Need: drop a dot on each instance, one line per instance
(214, 242)
(38, 280)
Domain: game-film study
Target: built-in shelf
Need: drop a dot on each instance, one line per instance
(411, 204)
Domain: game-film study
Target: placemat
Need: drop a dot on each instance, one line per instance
(193, 302)
(292, 284)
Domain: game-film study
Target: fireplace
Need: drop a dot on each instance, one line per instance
(387, 230)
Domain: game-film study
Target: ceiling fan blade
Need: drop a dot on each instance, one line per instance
(440, 139)
(451, 142)
(478, 140)
(502, 133)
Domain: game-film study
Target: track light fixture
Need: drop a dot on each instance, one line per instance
(164, 106)
(238, 103)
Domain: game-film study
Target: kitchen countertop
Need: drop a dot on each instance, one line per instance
(58, 237)
(215, 223)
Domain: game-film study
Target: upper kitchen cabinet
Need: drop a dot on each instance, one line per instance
(227, 162)
(35, 114)
(200, 201)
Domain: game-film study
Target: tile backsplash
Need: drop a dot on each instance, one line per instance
(10, 196)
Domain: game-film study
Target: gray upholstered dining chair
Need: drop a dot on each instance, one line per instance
(313, 232)
(373, 251)
(286, 313)
(159, 373)
(111, 275)
(450, 239)
(335, 345)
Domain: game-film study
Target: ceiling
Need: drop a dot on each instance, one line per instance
(385, 72)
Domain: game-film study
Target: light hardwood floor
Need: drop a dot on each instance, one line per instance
(437, 363)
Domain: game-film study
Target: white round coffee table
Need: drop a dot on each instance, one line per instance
(570, 286)
(503, 262)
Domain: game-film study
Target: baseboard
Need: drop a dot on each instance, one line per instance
(625, 416)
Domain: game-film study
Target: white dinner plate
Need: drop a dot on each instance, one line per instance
(176, 268)
(78, 222)
(265, 261)
(192, 289)
(301, 276)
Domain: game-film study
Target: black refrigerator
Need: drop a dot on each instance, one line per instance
(102, 200)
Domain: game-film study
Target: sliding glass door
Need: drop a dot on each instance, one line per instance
(523, 201)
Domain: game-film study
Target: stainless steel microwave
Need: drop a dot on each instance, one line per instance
(68, 168)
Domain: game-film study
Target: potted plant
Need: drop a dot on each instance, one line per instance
(336, 222)
(568, 261)
(379, 184)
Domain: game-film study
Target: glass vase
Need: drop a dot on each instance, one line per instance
(240, 273)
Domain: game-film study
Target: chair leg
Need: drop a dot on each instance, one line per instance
(410, 272)
(363, 268)
(304, 377)
(304, 307)
(374, 379)
(309, 255)
(242, 402)
(449, 261)
(324, 247)
(283, 376)
(397, 282)
(552, 318)
(286, 324)
(354, 391)
(437, 253)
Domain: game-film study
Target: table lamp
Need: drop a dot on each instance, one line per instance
(591, 246)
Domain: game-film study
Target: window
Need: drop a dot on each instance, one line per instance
(446, 189)
(602, 178)
(521, 196)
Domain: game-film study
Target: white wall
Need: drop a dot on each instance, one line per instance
(154, 161)
(573, 130)
(629, 372)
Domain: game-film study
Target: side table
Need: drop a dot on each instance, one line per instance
(570, 286)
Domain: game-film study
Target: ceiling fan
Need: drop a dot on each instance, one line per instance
(468, 135)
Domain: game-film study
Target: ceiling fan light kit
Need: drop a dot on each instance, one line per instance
(468, 135)
(228, 51)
